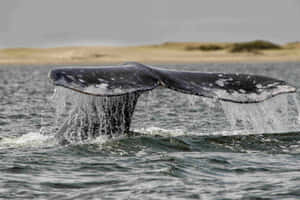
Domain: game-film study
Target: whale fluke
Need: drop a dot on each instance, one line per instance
(136, 77)
(106, 81)
(121, 86)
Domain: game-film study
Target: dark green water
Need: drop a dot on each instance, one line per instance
(188, 150)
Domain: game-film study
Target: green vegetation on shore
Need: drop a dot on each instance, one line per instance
(205, 47)
(237, 47)
(253, 46)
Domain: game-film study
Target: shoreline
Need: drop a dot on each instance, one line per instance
(166, 53)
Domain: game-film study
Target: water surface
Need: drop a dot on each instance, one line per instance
(187, 150)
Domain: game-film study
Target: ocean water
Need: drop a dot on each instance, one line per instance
(188, 147)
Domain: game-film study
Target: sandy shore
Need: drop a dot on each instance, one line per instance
(151, 54)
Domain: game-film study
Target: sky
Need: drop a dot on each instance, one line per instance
(36, 23)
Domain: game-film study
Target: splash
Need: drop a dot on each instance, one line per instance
(270, 116)
(297, 106)
(86, 119)
(82, 118)
(31, 139)
(193, 115)
(157, 131)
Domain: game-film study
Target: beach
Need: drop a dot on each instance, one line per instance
(165, 53)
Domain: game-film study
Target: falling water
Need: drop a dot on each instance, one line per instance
(297, 106)
(269, 116)
(83, 117)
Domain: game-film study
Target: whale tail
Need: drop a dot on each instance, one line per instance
(135, 77)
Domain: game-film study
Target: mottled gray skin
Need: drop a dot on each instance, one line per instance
(135, 78)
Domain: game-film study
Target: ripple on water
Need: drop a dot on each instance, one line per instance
(185, 150)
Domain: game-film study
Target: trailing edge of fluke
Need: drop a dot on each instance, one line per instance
(136, 77)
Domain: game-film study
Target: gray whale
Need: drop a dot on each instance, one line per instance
(125, 83)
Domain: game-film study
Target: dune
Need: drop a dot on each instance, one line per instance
(169, 52)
